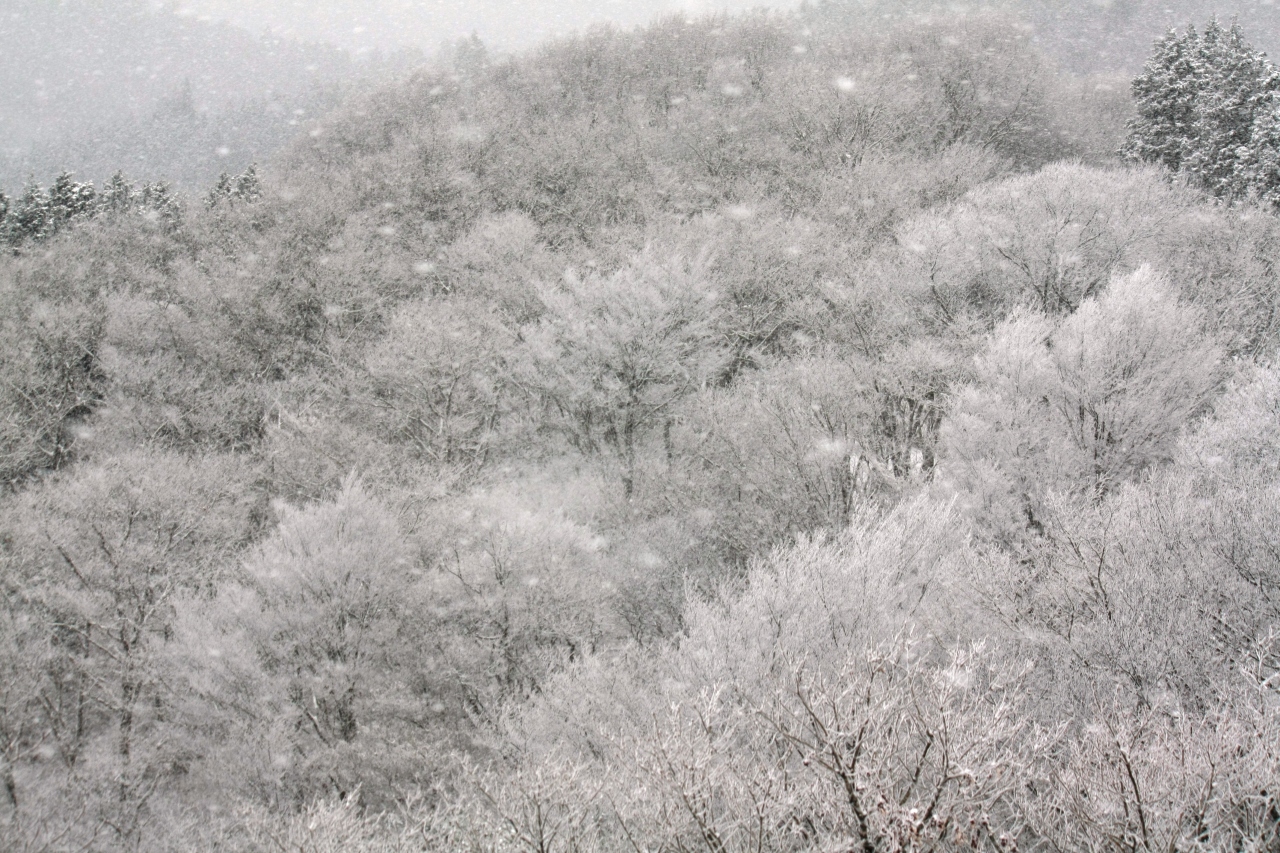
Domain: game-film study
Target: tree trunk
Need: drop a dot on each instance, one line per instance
(124, 744)
(10, 784)
(629, 457)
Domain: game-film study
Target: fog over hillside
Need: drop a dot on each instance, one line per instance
(185, 90)
(99, 85)
(1092, 34)
(1116, 35)
(503, 24)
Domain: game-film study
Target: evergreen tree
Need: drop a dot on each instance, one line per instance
(159, 204)
(1236, 83)
(1200, 98)
(247, 186)
(1262, 168)
(220, 191)
(116, 195)
(30, 219)
(39, 213)
(231, 188)
(1166, 94)
(68, 200)
(470, 57)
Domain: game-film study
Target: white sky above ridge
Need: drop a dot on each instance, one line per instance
(502, 24)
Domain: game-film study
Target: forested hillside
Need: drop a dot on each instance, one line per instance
(767, 433)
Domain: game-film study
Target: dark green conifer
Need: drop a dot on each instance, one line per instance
(69, 200)
(1166, 94)
(117, 194)
(30, 218)
(247, 186)
(1200, 99)
(221, 191)
(1235, 83)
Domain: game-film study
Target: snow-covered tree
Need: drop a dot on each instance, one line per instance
(1202, 98)
(612, 355)
(1236, 83)
(160, 204)
(470, 57)
(1166, 94)
(232, 188)
(1081, 406)
(117, 194)
(333, 608)
(247, 185)
(69, 199)
(40, 213)
(98, 558)
(29, 218)
(1262, 168)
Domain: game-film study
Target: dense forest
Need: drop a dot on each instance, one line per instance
(813, 431)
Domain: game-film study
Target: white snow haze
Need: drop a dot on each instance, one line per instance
(182, 90)
(502, 24)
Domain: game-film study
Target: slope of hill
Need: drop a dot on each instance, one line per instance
(734, 434)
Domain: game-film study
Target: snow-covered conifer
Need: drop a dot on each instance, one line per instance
(247, 186)
(1262, 169)
(231, 188)
(1165, 94)
(1235, 83)
(1199, 100)
(158, 201)
(219, 192)
(30, 218)
(69, 200)
(117, 194)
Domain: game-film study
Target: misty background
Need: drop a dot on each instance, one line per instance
(182, 91)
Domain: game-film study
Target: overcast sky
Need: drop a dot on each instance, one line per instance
(502, 24)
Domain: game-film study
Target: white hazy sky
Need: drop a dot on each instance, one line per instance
(502, 24)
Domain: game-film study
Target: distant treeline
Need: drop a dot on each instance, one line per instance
(41, 212)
